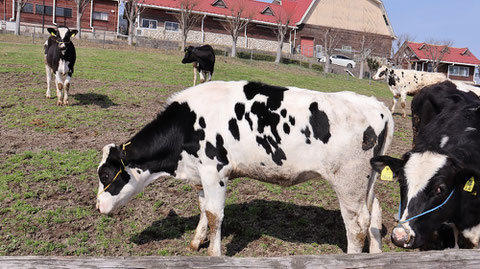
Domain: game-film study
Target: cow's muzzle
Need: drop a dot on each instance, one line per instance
(402, 237)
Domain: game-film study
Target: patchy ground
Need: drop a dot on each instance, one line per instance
(47, 189)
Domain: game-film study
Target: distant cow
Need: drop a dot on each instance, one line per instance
(60, 58)
(219, 130)
(203, 59)
(403, 82)
(440, 177)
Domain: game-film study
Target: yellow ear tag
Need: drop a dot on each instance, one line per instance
(52, 34)
(387, 174)
(469, 185)
(73, 35)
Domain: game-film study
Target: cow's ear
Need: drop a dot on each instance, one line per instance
(378, 163)
(52, 31)
(74, 32)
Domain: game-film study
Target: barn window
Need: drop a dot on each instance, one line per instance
(40, 9)
(28, 8)
(148, 23)
(460, 71)
(172, 26)
(219, 3)
(100, 16)
(63, 12)
(268, 11)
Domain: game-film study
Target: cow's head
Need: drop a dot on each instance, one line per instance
(382, 72)
(426, 181)
(189, 56)
(119, 180)
(62, 35)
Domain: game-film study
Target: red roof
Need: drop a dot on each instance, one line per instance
(295, 7)
(454, 55)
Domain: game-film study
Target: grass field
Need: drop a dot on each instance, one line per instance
(49, 157)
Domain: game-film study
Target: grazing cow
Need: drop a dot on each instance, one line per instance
(440, 177)
(60, 58)
(203, 59)
(434, 99)
(402, 82)
(219, 130)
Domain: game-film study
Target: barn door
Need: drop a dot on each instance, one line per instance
(307, 47)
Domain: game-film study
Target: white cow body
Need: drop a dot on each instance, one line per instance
(317, 135)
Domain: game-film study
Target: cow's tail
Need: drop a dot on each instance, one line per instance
(384, 141)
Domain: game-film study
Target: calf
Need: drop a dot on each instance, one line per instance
(216, 131)
(203, 59)
(402, 82)
(60, 58)
(439, 177)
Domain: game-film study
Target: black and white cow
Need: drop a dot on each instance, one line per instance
(219, 130)
(60, 57)
(434, 99)
(403, 82)
(203, 59)
(433, 175)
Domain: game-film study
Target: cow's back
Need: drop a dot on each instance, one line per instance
(287, 135)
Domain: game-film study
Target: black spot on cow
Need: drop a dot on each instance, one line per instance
(286, 128)
(239, 110)
(218, 151)
(274, 93)
(138, 171)
(250, 123)
(233, 127)
(369, 138)
(266, 118)
(221, 183)
(291, 119)
(381, 115)
(307, 134)
(283, 112)
(391, 80)
(320, 124)
(380, 141)
(403, 75)
(201, 122)
(272, 148)
(262, 164)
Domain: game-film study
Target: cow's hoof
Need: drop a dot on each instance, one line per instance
(65, 103)
(48, 97)
(193, 247)
(59, 103)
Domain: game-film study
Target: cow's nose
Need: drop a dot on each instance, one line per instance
(401, 238)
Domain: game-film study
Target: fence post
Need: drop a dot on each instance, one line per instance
(33, 35)
(104, 33)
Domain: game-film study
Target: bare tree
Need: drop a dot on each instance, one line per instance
(133, 9)
(20, 4)
(368, 42)
(81, 5)
(240, 17)
(435, 51)
(330, 42)
(400, 54)
(187, 18)
(283, 18)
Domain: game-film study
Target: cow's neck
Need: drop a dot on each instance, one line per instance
(157, 147)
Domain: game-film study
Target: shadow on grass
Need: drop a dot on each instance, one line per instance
(100, 100)
(247, 222)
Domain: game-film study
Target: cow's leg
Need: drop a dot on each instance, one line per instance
(404, 104)
(375, 229)
(201, 231)
(353, 206)
(49, 73)
(202, 76)
(66, 88)
(209, 74)
(214, 189)
(59, 85)
(194, 75)
(394, 102)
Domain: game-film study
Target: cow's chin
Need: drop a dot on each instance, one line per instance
(107, 204)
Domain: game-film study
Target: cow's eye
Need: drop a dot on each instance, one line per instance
(440, 189)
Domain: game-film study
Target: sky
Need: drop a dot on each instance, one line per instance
(454, 20)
